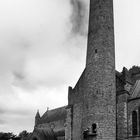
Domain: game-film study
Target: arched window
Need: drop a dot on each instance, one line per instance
(94, 128)
(35, 138)
(134, 123)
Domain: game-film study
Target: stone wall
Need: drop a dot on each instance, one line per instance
(122, 116)
(68, 124)
(75, 95)
(55, 125)
(76, 101)
(77, 122)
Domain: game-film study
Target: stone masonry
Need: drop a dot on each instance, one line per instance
(100, 90)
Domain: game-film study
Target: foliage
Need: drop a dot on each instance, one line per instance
(7, 136)
(24, 133)
(10, 136)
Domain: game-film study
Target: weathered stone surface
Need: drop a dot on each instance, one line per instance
(100, 90)
(77, 122)
(68, 124)
(122, 119)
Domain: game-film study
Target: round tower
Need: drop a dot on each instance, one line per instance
(99, 109)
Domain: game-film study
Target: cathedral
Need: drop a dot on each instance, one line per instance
(105, 103)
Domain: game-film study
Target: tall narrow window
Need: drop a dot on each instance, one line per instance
(134, 123)
(35, 138)
(139, 121)
(95, 50)
(94, 128)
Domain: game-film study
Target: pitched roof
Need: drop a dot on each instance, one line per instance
(54, 115)
(135, 91)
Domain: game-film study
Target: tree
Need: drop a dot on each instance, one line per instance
(24, 135)
(6, 136)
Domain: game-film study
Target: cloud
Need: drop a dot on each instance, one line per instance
(32, 59)
(2, 111)
(79, 16)
(2, 122)
(19, 112)
(40, 40)
(39, 55)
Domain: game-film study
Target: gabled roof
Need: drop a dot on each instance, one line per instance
(54, 115)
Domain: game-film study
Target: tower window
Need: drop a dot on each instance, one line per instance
(94, 128)
(134, 123)
(96, 51)
(35, 138)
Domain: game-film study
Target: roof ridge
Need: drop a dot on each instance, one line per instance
(53, 111)
(134, 87)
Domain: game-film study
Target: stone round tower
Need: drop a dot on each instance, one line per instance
(99, 109)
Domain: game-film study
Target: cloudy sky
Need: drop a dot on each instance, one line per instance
(43, 49)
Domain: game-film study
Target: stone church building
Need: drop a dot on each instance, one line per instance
(105, 103)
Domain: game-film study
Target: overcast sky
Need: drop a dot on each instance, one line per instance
(43, 49)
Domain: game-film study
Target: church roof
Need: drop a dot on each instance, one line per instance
(135, 92)
(54, 115)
